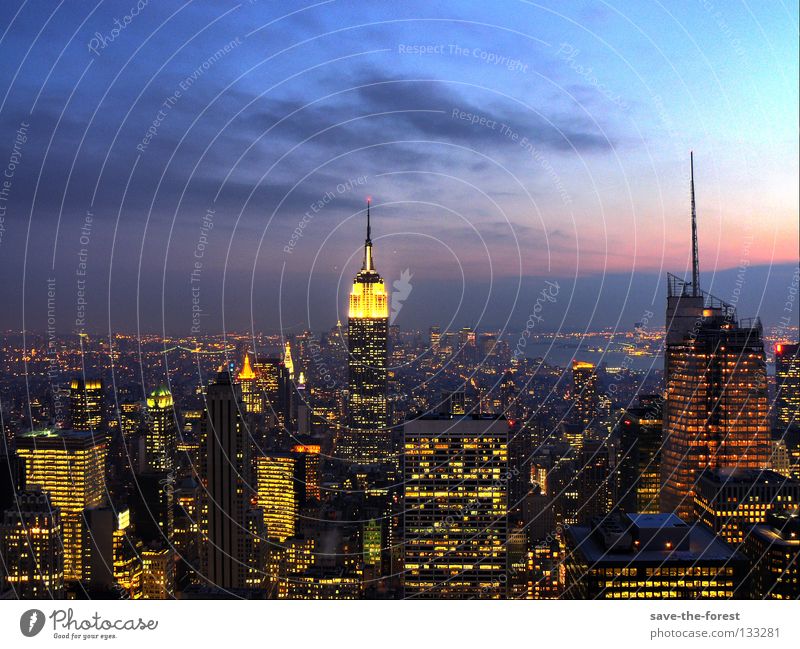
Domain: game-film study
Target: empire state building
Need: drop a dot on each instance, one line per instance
(366, 437)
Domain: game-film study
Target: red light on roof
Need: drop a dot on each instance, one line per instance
(779, 348)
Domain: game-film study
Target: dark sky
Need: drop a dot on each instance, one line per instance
(505, 144)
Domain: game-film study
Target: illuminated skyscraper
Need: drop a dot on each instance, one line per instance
(278, 493)
(70, 467)
(288, 363)
(30, 547)
(158, 573)
(86, 405)
(456, 498)
(716, 410)
(161, 443)
(310, 457)
(366, 439)
(273, 384)
(774, 549)
(224, 469)
(251, 395)
(787, 378)
(584, 392)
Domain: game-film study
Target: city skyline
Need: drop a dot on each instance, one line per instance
(400, 301)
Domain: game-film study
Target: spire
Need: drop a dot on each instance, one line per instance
(247, 370)
(368, 265)
(695, 260)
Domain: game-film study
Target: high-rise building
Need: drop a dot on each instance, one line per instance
(595, 479)
(640, 433)
(251, 394)
(161, 442)
(70, 467)
(584, 392)
(650, 556)
(279, 486)
(310, 456)
(716, 410)
(435, 335)
(730, 499)
(787, 383)
(273, 383)
(86, 405)
(456, 499)
(774, 548)
(366, 439)
(225, 464)
(30, 546)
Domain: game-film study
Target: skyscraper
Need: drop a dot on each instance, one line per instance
(30, 545)
(70, 467)
(787, 402)
(225, 467)
(716, 410)
(584, 391)
(455, 527)
(366, 438)
(161, 443)
(640, 431)
(86, 405)
(278, 493)
(251, 395)
(273, 384)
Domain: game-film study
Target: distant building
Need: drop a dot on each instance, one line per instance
(640, 434)
(279, 483)
(787, 380)
(584, 392)
(650, 556)
(774, 548)
(456, 500)
(161, 443)
(30, 547)
(729, 500)
(86, 405)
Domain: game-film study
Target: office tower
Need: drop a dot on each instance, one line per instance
(161, 442)
(158, 573)
(640, 433)
(774, 548)
(126, 557)
(650, 556)
(310, 459)
(434, 336)
(366, 438)
(130, 418)
(251, 394)
(456, 498)
(273, 383)
(70, 467)
(302, 413)
(153, 503)
(12, 477)
(787, 383)
(30, 547)
(596, 463)
(716, 410)
(86, 405)
(225, 466)
(453, 402)
(730, 499)
(279, 486)
(573, 434)
(288, 363)
(584, 392)
(787, 403)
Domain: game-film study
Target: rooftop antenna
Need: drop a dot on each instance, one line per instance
(695, 260)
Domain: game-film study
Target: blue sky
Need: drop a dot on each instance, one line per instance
(575, 169)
